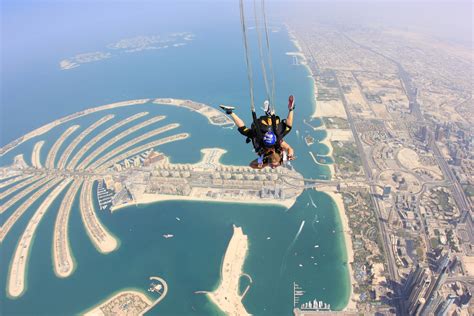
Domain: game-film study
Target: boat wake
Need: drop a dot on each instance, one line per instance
(283, 264)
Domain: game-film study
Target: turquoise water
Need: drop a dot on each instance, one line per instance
(212, 73)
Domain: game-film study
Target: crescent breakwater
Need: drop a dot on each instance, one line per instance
(46, 128)
(214, 116)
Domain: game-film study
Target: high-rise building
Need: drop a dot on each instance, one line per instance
(445, 306)
(415, 290)
(432, 293)
(442, 262)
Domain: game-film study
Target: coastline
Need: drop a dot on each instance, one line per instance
(337, 198)
(319, 112)
(156, 198)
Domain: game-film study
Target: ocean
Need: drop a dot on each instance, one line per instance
(209, 69)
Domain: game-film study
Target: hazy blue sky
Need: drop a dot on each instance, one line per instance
(47, 31)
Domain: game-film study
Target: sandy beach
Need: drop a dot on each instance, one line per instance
(154, 198)
(337, 198)
(227, 296)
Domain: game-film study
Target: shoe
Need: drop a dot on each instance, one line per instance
(266, 108)
(227, 109)
(291, 103)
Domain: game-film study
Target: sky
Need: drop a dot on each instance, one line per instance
(37, 31)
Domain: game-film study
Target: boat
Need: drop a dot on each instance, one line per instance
(168, 236)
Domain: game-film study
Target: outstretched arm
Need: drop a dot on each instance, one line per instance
(237, 120)
(291, 107)
(291, 153)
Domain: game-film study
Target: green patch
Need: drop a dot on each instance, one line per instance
(336, 122)
(346, 157)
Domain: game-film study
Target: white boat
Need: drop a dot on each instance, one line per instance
(178, 219)
(268, 238)
(168, 236)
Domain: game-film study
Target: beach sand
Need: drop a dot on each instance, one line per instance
(337, 198)
(153, 198)
(226, 296)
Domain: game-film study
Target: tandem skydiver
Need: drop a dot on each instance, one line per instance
(266, 135)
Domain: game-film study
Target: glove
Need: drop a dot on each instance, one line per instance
(260, 161)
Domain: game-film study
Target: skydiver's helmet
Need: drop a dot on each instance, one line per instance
(269, 139)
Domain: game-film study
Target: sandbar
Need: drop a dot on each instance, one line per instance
(226, 296)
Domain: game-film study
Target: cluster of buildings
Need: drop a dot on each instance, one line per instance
(433, 291)
(151, 176)
(414, 175)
